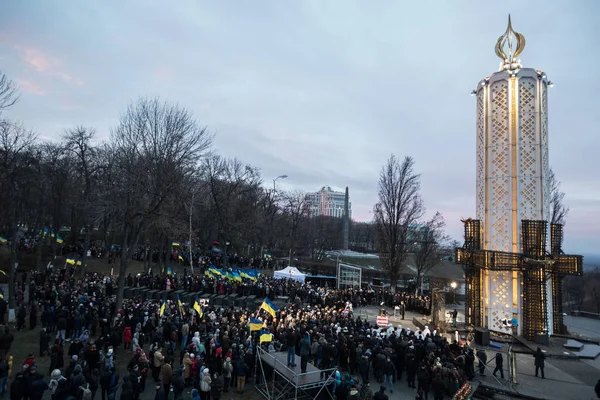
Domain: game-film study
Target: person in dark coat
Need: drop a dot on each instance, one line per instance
(36, 386)
(304, 352)
(439, 387)
(482, 357)
(597, 389)
(160, 392)
(499, 365)
(45, 339)
(539, 362)
(216, 386)
(380, 395)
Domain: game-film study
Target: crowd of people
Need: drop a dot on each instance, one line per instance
(94, 344)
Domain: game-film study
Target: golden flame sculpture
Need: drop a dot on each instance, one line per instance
(509, 46)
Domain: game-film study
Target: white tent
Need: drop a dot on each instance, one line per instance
(290, 272)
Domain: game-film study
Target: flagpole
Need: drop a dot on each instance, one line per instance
(191, 211)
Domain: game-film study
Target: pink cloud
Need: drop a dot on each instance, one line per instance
(30, 87)
(163, 73)
(44, 63)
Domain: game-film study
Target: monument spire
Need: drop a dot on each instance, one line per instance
(509, 46)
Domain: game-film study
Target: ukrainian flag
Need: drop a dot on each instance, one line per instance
(70, 261)
(3, 239)
(216, 271)
(78, 262)
(163, 305)
(59, 240)
(269, 307)
(266, 336)
(197, 308)
(175, 244)
(1, 293)
(179, 257)
(180, 304)
(169, 271)
(255, 324)
(209, 273)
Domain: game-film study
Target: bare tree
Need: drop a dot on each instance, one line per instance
(9, 93)
(427, 244)
(295, 208)
(155, 148)
(15, 158)
(78, 142)
(233, 188)
(558, 209)
(400, 206)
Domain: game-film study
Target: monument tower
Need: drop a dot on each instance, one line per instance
(511, 280)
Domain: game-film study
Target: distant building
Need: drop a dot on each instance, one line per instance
(327, 203)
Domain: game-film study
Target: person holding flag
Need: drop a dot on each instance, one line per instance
(180, 304)
(265, 336)
(163, 305)
(269, 307)
(255, 324)
(196, 307)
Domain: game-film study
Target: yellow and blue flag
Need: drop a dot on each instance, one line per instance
(255, 324)
(59, 240)
(175, 244)
(266, 336)
(179, 257)
(169, 271)
(163, 305)
(1, 293)
(269, 307)
(197, 308)
(70, 261)
(3, 239)
(180, 304)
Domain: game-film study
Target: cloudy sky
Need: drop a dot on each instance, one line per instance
(323, 91)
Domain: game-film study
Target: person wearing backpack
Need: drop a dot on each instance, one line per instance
(85, 393)
(226, 371)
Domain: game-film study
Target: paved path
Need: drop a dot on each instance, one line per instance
(587, 327)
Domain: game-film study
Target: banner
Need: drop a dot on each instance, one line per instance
(382, 320)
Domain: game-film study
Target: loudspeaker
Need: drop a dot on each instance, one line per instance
(482, 337)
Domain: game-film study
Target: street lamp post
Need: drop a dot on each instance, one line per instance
(276, 179)
(453, 286)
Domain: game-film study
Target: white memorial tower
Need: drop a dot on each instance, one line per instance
(512, 172)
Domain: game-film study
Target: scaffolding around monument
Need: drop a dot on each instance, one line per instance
(535, 264)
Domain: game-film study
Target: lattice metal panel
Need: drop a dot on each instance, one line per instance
(557, 305)
(500, 219)
(527, 98)
(535, 313)
(499, 188)
(544, 152)
(480, 206)
(500, 297)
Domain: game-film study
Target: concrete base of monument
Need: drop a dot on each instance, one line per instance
(563, 379)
